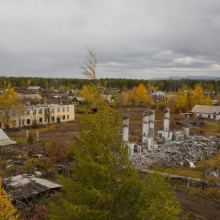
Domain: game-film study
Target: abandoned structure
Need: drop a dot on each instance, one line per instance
(7, 146)
(26, 187)
(40, 114)
(206, 111)
(169, 148)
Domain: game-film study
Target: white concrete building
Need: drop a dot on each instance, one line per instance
(207, 111)
(39, 114)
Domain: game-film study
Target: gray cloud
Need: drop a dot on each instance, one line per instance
(132, 39)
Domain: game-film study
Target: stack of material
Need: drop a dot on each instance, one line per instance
(25, 187)
(193, 149)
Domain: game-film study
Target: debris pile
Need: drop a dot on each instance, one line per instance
(192, 149)
(191, 123)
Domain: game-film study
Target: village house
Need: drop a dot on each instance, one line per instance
(34, 88)
(206, 111)
(40, 114)
(7, 146)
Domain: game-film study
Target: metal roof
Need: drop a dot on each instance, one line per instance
(4, 139)
(30, 96)
(206, 109)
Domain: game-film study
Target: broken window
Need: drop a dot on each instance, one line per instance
(28, 121)
(40, 120)
(63, 117)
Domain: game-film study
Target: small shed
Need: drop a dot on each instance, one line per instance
(7, 146)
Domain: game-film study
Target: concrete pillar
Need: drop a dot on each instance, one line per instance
(151, 122)
(125, 125)
(166, 119)
(145, 130)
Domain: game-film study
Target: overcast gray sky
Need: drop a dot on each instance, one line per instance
(132, 38)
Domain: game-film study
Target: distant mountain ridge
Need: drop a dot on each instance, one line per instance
(187, 77)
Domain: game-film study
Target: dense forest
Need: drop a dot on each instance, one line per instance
(121, 84)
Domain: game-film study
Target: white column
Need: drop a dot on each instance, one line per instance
(125, 134)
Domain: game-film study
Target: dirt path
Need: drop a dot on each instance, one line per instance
(198, 206)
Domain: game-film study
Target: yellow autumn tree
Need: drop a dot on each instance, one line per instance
(8, 103)
(141, 95)
(199, 98)
(181, 104)
(7, 211)
(128, 98)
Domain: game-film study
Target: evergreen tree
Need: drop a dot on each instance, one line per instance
(104, 183)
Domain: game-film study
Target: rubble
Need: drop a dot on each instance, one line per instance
(191, 123)
(192, 149)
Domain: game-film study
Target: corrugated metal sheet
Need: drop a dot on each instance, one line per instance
(206, 109)
(4, 139)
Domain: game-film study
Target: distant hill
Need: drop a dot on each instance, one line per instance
(187, 77)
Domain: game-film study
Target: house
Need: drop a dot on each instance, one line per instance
(207, 111)
(108, 98)
(34, 88)
(159, 94)
(41, 114)
(30, 97)
(7, 146)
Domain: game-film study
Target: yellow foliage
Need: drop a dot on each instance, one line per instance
(7, 211)
(8, 101)
(128, 98)
(141, 95)
(187, 98)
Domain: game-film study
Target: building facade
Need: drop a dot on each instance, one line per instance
(206, 111)
(40, 114)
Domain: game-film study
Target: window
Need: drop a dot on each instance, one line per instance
(13, 113)
(40, 120)
(63, 117)
(28, 112)
(200, 115)
(23, 122)
(58, 109)
(53, 118)
(209, 116)
(28, 121)
(214, 116)
(52, 110)
(63, 109)
(40, 111)
(67, 108)
(34, 112)
(67, 116)
(45, 119)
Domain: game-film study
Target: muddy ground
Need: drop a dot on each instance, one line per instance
(198, 206)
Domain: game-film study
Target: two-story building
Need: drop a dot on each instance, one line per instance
(40, 114)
